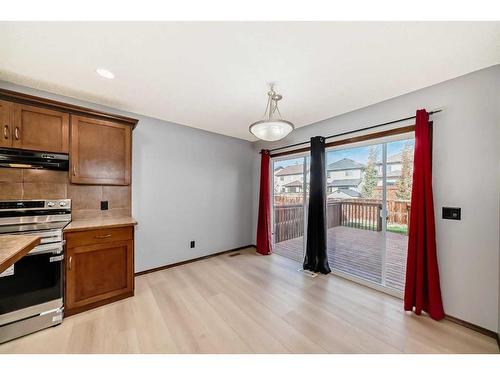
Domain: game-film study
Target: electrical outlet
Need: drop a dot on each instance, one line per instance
(104, 205)
(192, 245)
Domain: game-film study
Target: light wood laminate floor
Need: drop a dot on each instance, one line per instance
(251, 304)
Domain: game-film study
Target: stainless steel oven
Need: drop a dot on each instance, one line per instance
(31, 291)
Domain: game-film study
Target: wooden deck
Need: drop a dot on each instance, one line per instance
(357, 252)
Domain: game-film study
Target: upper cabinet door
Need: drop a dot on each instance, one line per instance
(100, 152)
(40, 129)
(5, 124)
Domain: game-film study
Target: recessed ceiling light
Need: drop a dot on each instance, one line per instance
(105, 73)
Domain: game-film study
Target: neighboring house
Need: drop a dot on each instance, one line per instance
(344, 179)
(350, 188)
(293, 187)
(277, 169)
(344, 169)
(344, 193)
(289, 179)
(394, 167)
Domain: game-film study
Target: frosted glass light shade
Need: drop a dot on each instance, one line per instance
(271, 130)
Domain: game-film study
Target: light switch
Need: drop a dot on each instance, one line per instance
(452, 213)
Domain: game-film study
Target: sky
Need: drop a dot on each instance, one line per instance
(359, 154)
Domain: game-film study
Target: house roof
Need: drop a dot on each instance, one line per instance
(344, 164)
(349, 192)
(291, 170)
(295, 183)
(345, 183)
(393, 159)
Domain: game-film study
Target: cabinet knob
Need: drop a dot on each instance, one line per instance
(16, 133)
(6, 132)
(69, 263)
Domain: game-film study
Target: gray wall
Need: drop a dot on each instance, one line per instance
(187, 184)
(466, 159)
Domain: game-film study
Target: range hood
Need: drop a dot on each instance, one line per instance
(11, 158)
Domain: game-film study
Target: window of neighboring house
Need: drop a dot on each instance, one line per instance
(282, 178)
(349, 172)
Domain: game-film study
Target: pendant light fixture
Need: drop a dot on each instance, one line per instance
(272, 127)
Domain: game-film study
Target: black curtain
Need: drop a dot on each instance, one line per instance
(316, 258)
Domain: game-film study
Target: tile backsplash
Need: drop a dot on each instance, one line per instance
(48, 184)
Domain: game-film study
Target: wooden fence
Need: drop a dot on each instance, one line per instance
(355, 213)
(288, 222)
(362, 215)
(398, 211)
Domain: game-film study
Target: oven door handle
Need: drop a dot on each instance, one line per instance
(57, 258)
(55, 248)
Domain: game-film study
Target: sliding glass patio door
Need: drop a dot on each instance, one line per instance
(368, 209)
(399, 178)
(355, 232)
(368, 203)
(290, 192)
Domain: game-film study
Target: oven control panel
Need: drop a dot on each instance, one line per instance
(35, 204)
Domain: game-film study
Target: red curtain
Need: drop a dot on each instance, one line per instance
(422, 290)
(264, 242)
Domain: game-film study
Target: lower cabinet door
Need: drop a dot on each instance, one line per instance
(98, 272)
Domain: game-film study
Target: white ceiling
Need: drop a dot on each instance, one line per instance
(214, 76)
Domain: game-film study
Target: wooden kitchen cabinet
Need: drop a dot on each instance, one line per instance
(100, 151)
(99, 268)
(6, 124)
(40, 129)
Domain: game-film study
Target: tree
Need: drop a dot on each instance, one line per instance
(403, 185)
(370, 176)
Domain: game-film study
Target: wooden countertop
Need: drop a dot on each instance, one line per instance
(14, 247)
(109, 222)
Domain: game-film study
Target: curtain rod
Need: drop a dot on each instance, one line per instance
(354, 131)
